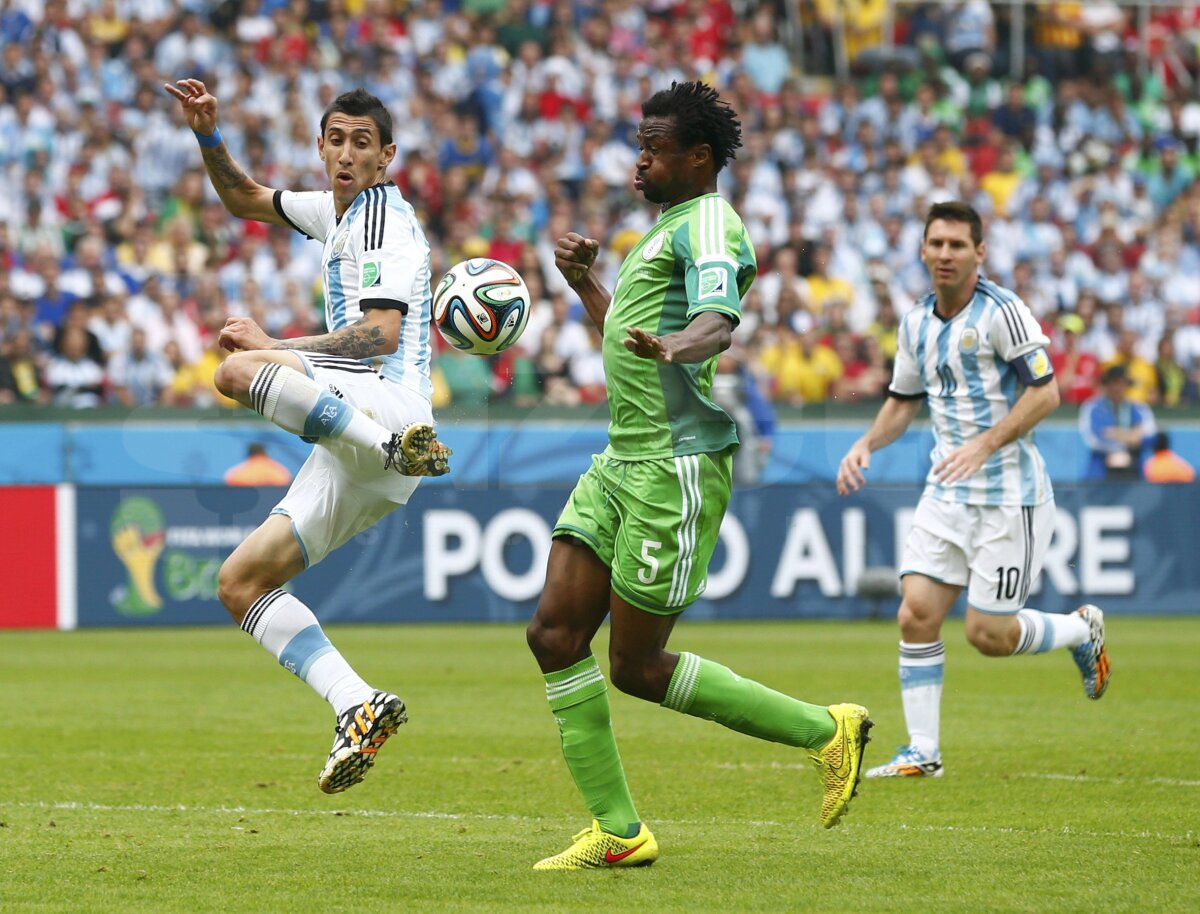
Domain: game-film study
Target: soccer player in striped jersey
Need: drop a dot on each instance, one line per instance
(976, 354)
(361, 392)
(634, 541)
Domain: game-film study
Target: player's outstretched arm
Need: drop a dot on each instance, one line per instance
(893, 418)
(574, 256)
(242, 196)
(708, 334)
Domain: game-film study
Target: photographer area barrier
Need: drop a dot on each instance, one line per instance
(490, 455)
(150, 556)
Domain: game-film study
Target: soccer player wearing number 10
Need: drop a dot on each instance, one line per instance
(984, 521)
(635, 538)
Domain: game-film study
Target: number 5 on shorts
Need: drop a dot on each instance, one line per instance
(648, 574)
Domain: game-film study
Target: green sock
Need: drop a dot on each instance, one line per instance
(578, 697)
(705, 689)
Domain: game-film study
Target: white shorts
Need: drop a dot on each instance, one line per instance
(997, 551)
(342, 490)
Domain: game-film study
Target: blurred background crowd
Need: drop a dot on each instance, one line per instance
(515, 123)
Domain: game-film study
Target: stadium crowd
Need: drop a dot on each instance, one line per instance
(515, 123)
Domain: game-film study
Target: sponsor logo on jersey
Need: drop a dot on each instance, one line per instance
(654, 246)
(1038, 364)
(714, 282)
(969, 341)
(339, 245)
(370, 274)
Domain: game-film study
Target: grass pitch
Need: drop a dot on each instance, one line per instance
(175, 771)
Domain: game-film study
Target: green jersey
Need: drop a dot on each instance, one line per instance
(696, 258)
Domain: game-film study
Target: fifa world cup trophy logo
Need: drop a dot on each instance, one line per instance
(138, 536)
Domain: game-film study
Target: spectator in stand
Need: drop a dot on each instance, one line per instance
(803, 368)
(764, 57)
(553, 371)
(109, 324)
(1015, 119)
(1117, 431)
(1164, 465)
(971, 30)
(1168, 176)
(1001, 182)
(465, 380)
(137, 376)
(74, 379)
(1076, 370)
(820, 288)
(1058, 39)
(865, 370)
(736, 390)
(20, 380)
(1142, 378)
(1171, 377)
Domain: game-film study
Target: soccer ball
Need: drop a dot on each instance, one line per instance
(481, 306)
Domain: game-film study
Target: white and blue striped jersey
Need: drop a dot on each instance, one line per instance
(375, 255)
(973, 368)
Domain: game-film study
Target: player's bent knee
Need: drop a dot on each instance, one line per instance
(235, 591)
(235, 374)
(555, 647)
(917, 624)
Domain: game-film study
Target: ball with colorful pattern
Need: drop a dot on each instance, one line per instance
(481, 306)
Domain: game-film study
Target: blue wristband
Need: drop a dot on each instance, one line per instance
(210, 141)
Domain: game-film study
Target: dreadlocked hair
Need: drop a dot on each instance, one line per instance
(700, 116)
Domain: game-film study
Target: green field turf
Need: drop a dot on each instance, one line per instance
(175, 771)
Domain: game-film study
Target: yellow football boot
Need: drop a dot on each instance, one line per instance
(596, 849)
(841, 760)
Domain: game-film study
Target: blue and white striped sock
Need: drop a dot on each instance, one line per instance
(922, 668)
(288, 629)
(300, 405)
(1041, 632)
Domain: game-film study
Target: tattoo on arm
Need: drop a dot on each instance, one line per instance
(222, 169)
(358, 341)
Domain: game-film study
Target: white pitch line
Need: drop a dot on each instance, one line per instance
(1029, 775)
(1087, 778)
(484, 817)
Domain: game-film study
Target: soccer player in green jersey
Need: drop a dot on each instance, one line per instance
(636, 536)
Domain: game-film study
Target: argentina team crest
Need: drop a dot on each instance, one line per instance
(969, 341)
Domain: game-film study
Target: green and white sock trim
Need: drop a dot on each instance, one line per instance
(575, 684)
(682, 690)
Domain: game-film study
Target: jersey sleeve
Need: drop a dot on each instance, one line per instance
(1017, 338)
(393, 256)
(907, 380)
(719, 260)
(309, 212)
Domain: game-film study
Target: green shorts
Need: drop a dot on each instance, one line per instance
(654, 523)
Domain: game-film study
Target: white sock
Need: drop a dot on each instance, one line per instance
(288, 629)
(300, 405)
(1041, 632)
(922, 667)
